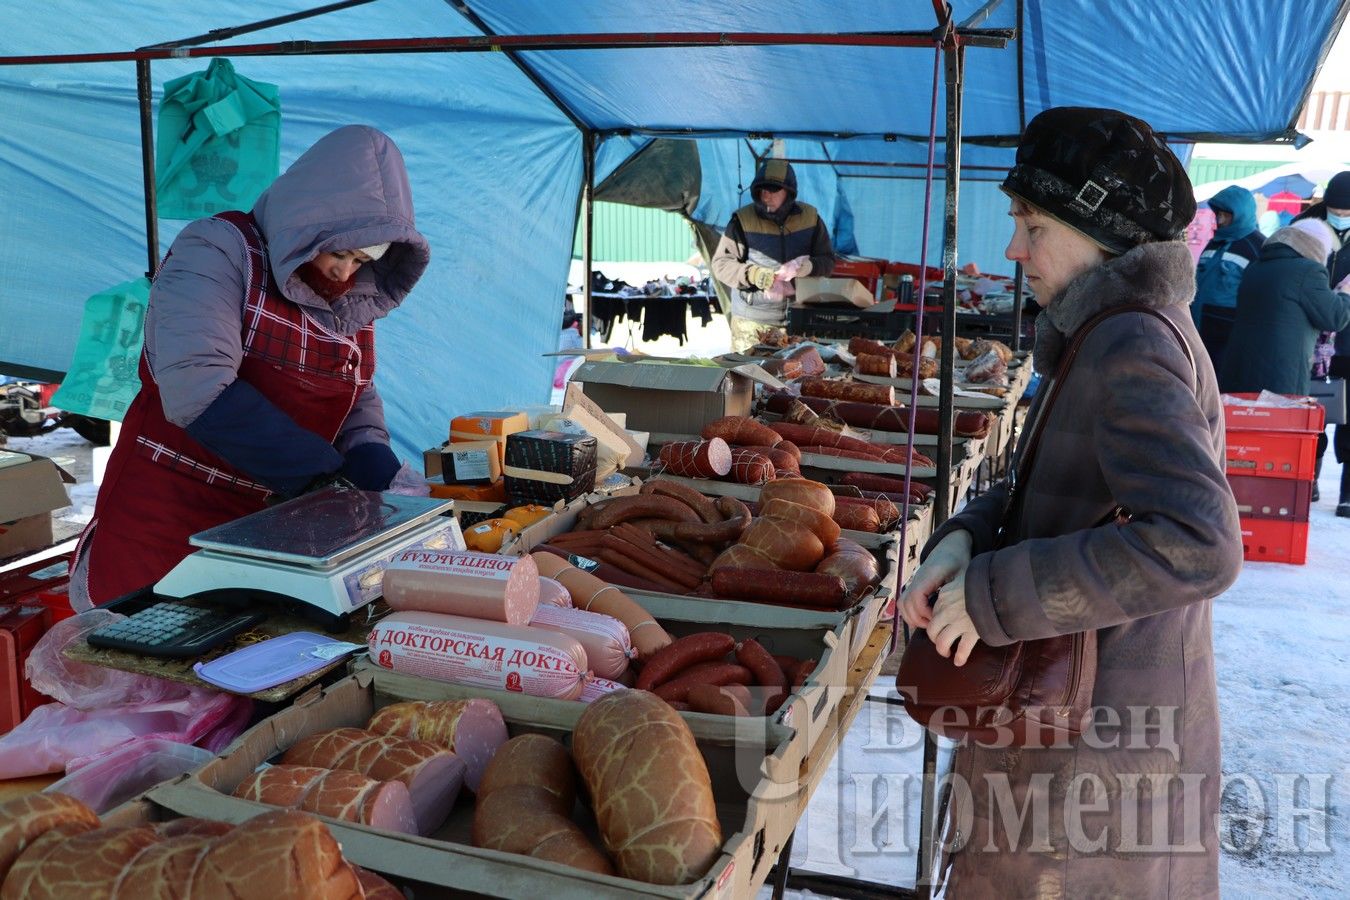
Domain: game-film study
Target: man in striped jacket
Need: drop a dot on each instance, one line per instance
(774, 235)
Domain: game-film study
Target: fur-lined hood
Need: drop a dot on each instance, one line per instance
(1158, 275)
(1308, 246)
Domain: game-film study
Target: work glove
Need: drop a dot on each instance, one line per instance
(370, 466)
(257, 437)
(760, 276)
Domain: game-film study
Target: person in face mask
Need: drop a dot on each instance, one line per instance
(259, 358)
(1236, 243)
(774, 238)
(1335, 210)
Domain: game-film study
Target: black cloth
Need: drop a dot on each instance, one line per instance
(1105, 174)
(662, 316)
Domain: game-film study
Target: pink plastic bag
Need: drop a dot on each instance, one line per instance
(100, 709)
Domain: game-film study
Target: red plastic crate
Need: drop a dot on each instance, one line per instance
(1271, 498)
(1271, 454)
(1311, 416)
(868, 271)
(20, 628)
(32, 577)
(1274, 540)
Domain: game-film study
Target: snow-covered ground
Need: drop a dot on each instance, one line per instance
(1282, 645)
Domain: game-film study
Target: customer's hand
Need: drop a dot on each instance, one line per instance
(948, 559)
(950, 628)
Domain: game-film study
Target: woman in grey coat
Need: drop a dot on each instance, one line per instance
(1284, 301)
(1128, 809)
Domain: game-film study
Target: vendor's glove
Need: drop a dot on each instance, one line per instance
(760, 276)
(256, 436)
(370, 466)
(803, 266)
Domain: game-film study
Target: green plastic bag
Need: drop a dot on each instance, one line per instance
(102, 380)
(219, 142)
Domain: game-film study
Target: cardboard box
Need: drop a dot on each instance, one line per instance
(757, 815)
(30, 488)
(663, 398)
(833, 290)
(488, 493)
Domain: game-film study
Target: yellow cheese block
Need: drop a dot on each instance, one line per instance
(489, 426)
(489, 535)
(528, 514)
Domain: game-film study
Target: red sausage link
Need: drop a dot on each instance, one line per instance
(779, 586)
(759, 661)
(718, 673)
(666, 663)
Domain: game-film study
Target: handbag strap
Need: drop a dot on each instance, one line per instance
(1027, 453)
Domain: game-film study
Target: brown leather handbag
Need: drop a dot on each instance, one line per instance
(1028, 693)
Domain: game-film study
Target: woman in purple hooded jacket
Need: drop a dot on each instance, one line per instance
(257, 372)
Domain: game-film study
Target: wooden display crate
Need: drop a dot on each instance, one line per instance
(757, 815)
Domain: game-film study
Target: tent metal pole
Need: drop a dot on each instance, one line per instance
(143, 98)
(888, 165)
(220, 34)
(587, 231)
(997, 38)
(1018, 287)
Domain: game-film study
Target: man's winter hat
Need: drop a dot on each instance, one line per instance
(376, 251)
(1105, 174)
(1338, 191)
(774, 173)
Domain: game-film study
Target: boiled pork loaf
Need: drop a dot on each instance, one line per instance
(24, 819)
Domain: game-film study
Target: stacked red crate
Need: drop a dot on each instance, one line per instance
(1270, 459)
(32, 598)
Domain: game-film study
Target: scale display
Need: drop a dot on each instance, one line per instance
(321, 529)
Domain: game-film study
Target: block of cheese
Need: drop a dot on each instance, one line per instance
(489, 426)
(543, 467)
(487, 493)
(471, 462)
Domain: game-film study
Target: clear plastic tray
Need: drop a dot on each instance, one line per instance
(272, 662)
(128, 771)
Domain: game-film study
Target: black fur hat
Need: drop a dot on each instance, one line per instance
(1105, 174)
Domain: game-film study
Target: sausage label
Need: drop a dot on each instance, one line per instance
(482, 660)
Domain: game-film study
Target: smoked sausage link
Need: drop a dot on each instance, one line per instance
(740, 430)
(761, 663)
(665, 664)
(696, 459)
(780, 587)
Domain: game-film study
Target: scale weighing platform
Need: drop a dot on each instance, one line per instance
(327, 550)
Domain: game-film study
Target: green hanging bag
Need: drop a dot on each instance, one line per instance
(219, 143)
(103, 379)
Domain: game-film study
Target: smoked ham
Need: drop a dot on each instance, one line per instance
(24, 819)
(278, 854)
(853, 391)
(631, 747)
(473, 729)
(789, 544)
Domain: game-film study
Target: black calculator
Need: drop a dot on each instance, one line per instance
(173, 628)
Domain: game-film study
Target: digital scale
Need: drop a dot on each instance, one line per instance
(327, 550)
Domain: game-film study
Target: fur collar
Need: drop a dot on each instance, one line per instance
(1304, 244)
(1157, 275)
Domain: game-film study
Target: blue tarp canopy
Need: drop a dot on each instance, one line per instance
(494, 141)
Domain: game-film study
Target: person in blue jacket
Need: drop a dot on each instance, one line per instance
(1236, 244)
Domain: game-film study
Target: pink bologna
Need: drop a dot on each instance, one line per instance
(481, 653)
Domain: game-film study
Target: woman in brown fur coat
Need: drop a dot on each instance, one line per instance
(1098, 204)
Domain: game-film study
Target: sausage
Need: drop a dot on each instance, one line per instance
(800, 490)
(789, 544)
(809, 436)
(604, 574)
(824, 527)
(841, 453)
(463, 583)
(620, 560)
(674, 558)
(803, 672)
(749, 466)
(740, 430)
(968, 423)
(652, 561)
(858, 345)
(885, 507)
(858, 568)
(691, 498)
(784, 463)
(742, 556)
(718, 673)
(633, 507)
(703, 646)
(760, 662)
(604, 638)
(905, 456)
(786, 446)
(721, 533)
(872, 482)
(783, 588)
(732, 508)
(876, 364)
(695, 459)
(857, 517)
(854, 391)
(709, 698)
